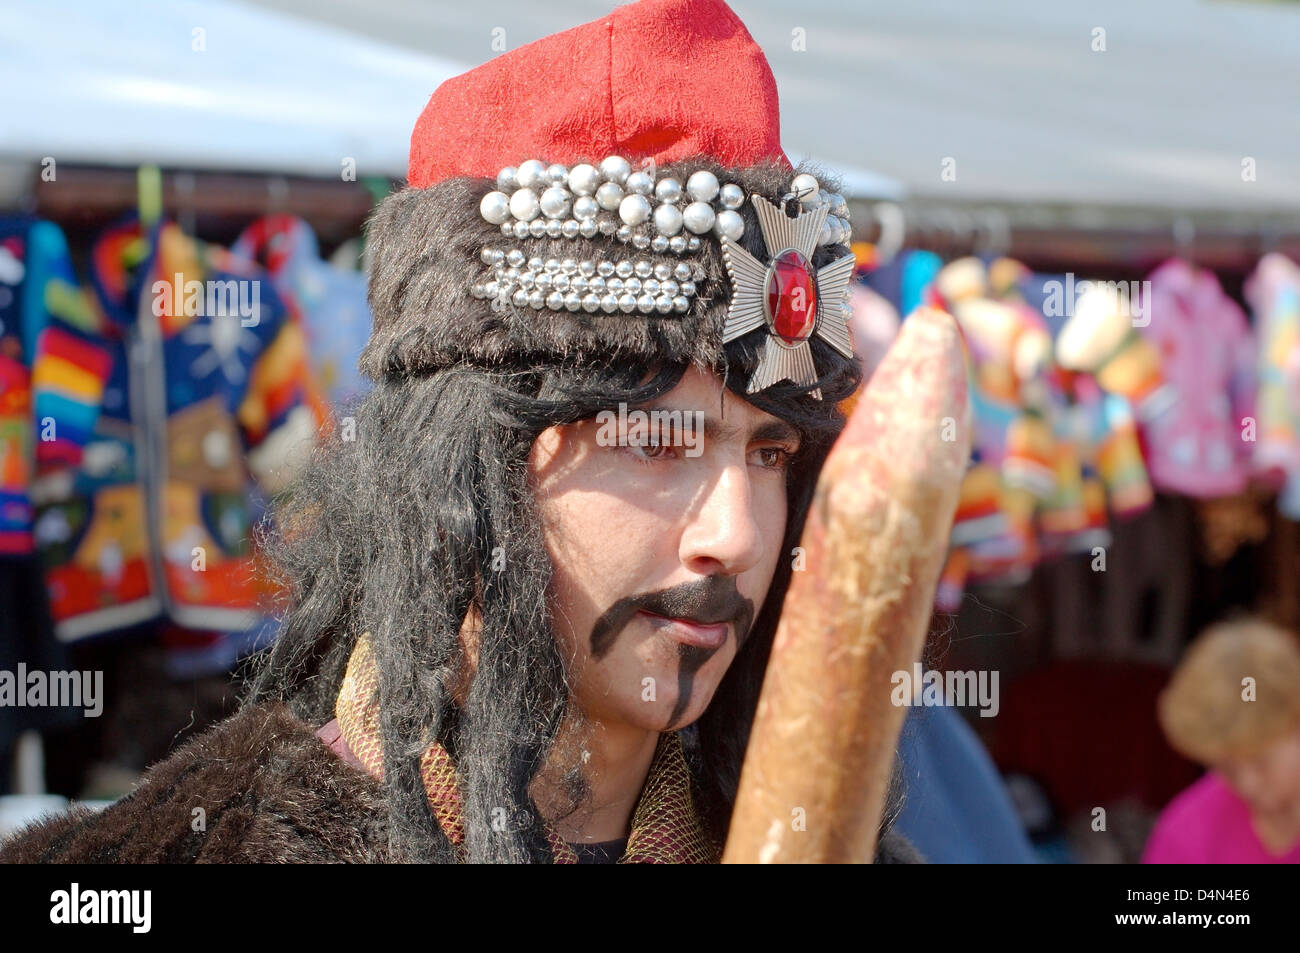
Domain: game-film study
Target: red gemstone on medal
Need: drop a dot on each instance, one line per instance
(791, 296)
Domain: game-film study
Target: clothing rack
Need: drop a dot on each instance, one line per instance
(215, 204)
(1120, 242)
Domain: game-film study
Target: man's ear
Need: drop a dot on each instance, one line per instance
(546, 446)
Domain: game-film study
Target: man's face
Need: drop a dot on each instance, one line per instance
(641, 534)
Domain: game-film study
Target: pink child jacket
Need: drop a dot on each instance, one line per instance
(1201, 446)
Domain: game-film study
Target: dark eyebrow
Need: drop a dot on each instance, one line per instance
(776, 429)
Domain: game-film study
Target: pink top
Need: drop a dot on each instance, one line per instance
(1209, 824)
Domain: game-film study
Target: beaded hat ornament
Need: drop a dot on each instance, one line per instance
(786, 295)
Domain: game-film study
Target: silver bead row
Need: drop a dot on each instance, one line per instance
(568, 284)
(537, 192)
(609, 302)
(639, 238)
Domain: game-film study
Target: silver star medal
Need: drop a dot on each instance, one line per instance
(789, 243)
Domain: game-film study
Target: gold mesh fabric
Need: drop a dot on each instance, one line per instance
(666, 825)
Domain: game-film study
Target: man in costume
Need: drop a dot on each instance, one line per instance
(525, 624)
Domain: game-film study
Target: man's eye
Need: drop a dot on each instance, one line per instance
(775, 458)
(648, 452)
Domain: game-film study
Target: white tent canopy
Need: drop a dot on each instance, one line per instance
(213, 85)
(222, 85)
(1190, 105)
(1012, 90)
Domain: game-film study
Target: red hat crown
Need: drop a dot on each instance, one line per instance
(659, 79)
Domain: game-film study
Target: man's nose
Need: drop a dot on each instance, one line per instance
(722, 534)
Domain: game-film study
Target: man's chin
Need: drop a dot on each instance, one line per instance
(662, 715)
(670, 718)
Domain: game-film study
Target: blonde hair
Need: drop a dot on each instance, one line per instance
(1206, 711)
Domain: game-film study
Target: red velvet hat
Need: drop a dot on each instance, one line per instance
(659, 79)
(614, 191)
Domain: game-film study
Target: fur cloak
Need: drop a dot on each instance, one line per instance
(258, 787)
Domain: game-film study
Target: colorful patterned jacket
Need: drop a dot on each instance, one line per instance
(170, 398)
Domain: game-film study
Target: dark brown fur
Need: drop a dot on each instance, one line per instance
(271, 792)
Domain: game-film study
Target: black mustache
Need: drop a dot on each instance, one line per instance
(706, 601)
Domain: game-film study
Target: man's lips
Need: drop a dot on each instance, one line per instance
(689, 632)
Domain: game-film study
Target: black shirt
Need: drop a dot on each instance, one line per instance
(600, 852)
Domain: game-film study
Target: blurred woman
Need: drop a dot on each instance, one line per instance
(1234, 705)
